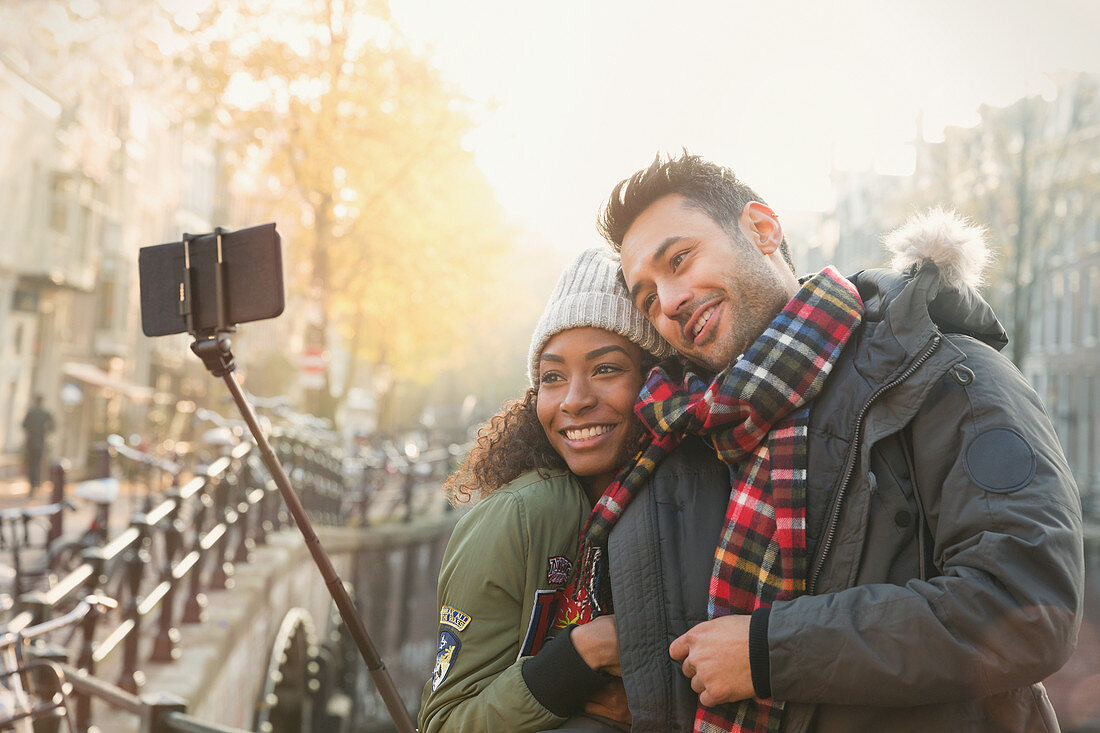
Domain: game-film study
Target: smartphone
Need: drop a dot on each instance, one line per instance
(252, 281)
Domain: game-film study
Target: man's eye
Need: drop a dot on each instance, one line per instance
(648, 301)
(677, 259)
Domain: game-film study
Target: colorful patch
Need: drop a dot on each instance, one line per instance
(445, 656)
(450, 616)
(571, 611)
(557, 569)
(542, 615)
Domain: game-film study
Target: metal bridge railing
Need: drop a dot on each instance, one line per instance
(161, 566)
(185, 545)
(156, 713)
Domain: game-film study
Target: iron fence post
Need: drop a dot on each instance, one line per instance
(129, 678)
(243, 551)
(155, 709)
(167, 639)
(57, 478)
(224, 513)
(93, 556)
(410, 479)
(193, 610)
(260, 523)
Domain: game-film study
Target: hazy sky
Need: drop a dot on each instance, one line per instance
(586, 91)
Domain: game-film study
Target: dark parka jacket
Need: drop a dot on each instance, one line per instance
(943, 531)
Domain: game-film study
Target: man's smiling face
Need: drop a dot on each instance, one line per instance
(708, 293)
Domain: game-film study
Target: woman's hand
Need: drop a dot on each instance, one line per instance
(598, 644)
(610, 702)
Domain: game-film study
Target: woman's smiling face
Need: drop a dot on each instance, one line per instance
(589, 379)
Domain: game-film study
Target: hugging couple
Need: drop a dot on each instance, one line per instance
(734, 499)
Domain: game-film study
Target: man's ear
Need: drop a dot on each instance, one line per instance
(762, 226)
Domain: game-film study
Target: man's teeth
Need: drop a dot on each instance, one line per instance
(586, 433)
(702, 322)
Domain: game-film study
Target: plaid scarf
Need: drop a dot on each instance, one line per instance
(754, 413)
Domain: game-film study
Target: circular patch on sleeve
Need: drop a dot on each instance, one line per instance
(1000, 460)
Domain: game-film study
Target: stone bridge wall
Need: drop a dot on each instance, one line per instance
(393, 569)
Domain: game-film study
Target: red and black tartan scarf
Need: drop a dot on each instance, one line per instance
(754, 413)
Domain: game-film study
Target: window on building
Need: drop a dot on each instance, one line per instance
(1090, 487)
(1038, 318)
(1061, 411)
(1067, 306)
(61, 197)
(1090, 300)
(105, 311)
(1086, 459)
(1082, 216)
(1069, 410)
(1053, 312)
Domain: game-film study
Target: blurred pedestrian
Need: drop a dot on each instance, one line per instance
(37, 423)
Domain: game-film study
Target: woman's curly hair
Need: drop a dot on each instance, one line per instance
(510, 444)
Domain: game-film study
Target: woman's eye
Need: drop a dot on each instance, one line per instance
(609, 369)
(549, 378)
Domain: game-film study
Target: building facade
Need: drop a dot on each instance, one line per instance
(85, 180)
(1029, 173)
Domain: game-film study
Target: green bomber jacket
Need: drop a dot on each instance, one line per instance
(504, 562)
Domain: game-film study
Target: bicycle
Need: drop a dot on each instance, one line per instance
(25, 698)
(17, 527)
(164, 466)
(66, 553)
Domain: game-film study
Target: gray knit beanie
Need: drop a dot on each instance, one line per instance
(591, 292)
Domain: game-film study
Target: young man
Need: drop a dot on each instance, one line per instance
(901, 545)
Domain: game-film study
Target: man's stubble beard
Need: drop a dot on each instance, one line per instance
(747, 325)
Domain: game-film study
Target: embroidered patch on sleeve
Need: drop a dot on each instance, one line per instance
(445, 656)
(1000, 460)
(557, 569)
(450, 616)
(542, 615)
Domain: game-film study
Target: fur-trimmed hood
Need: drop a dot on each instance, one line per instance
(954, 244)
(938, 262)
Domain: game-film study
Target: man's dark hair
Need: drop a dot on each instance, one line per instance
(712, 188)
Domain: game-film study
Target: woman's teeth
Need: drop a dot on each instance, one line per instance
(587, 433)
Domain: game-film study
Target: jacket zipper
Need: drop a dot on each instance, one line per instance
(850, 463)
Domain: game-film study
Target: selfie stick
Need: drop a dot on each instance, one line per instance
(214, 350)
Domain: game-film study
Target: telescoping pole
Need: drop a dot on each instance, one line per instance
(213, 348)
(375, 666)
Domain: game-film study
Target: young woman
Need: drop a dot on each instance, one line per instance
(504, 662)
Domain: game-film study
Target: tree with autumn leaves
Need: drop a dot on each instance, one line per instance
(330, 123)
(353, 142)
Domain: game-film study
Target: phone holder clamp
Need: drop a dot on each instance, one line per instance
(215, 353)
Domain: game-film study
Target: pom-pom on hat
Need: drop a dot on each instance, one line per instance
(591, 293)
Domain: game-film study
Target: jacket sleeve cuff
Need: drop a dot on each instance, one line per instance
(759, 663)
(559, 679)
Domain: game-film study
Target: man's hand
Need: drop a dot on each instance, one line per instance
(716, 659)
(598, 644)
